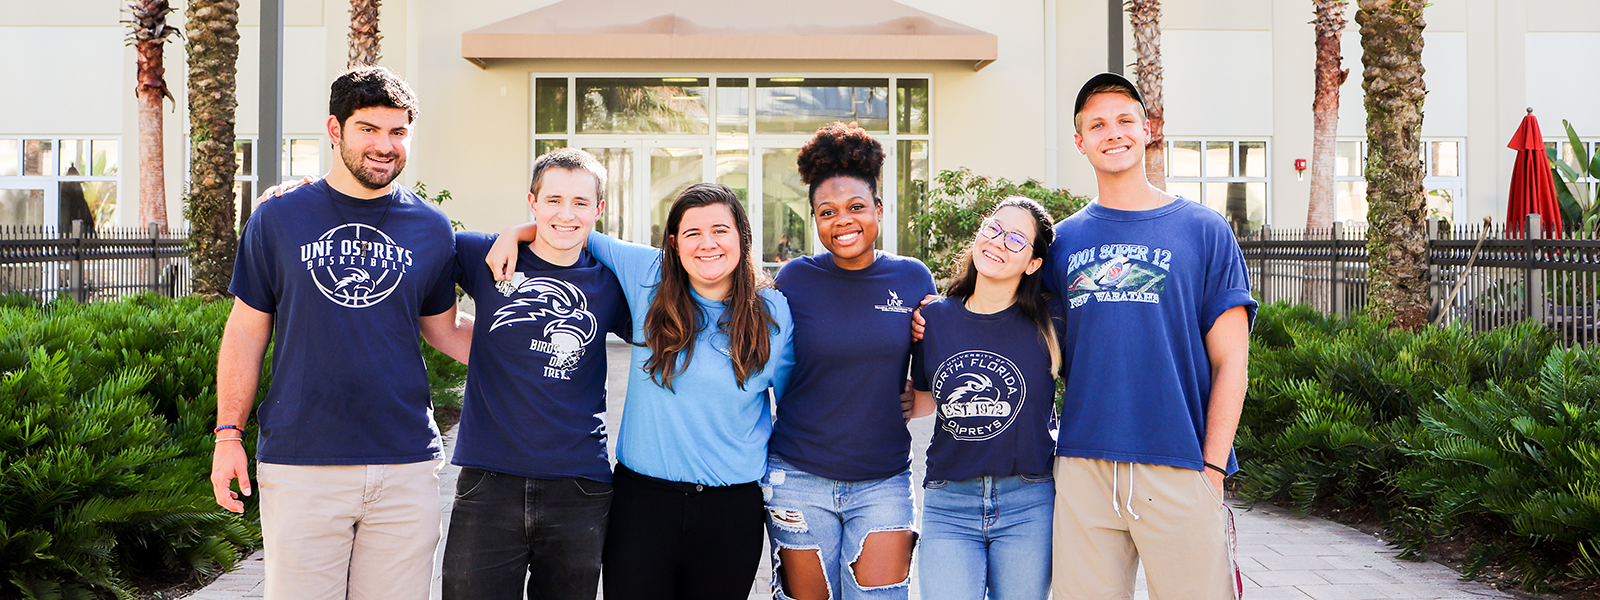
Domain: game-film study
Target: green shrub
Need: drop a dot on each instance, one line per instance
(1431, 432)
(1523, 455)
(105, 445)
(106, 413)
(958, 204)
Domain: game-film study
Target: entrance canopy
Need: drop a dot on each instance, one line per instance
(723, 29)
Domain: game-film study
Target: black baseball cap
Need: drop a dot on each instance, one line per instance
(1104, 79)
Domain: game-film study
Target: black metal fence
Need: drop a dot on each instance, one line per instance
(45, 262)
(1512, 277)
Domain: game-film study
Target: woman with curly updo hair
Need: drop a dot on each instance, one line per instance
(840, 507)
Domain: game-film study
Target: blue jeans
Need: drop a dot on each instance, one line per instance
(807, 512)
(988, 534)
(505, 529)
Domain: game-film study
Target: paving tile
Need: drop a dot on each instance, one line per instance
(1343, 592)
(1314, 549)
(1277, 593)
(1357, 576)
(1269, 579)
(1290, 563)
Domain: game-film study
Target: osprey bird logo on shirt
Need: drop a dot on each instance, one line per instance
(559, 313)
(894, 304)
(355, 265)
(979, 393)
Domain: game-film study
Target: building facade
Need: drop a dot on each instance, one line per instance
(672, 93)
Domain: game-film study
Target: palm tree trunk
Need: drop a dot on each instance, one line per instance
(149, 35)
(1145, 16)
(364, 37)
(1329, 76)
(1397, 243)
(213, 70)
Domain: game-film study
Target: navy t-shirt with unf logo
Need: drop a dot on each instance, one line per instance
(993, 393)
(535, 403)
(346, 281)
(840, 417)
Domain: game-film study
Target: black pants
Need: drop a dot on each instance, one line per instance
(671, 540)
(506, 528)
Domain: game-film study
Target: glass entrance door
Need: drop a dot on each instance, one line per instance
(782, 219)
(643, 178)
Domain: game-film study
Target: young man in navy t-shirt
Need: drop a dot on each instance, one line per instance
(343, 274)
(1158, 310)
(535, 486)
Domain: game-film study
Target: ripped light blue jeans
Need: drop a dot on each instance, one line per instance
(807, 512)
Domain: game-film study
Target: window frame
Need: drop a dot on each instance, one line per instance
(1234, 175)
(751, 141)
(51, 180)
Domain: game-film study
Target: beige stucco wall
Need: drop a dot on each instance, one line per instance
(1240, 68)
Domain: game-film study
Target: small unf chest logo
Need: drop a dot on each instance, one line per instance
(356, 265)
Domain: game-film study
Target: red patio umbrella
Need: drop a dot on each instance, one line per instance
(1533, 188)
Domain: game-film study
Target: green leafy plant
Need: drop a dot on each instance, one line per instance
(105, 446)
(958, 203)
(1525, 456)
(106, 412)
(1580, 210)
(438, 200)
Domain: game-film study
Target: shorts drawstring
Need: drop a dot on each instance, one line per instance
(1114, 505)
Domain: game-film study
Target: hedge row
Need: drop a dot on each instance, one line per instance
(105, 446)
(1431, 432)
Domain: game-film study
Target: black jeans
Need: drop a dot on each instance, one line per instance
(678, 540)
(506, 528)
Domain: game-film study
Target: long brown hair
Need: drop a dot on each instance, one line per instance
(673, 321)
(1031, 297)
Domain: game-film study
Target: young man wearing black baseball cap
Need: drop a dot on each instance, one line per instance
(1158, 310)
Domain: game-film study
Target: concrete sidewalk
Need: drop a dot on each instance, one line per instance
(1282, 557)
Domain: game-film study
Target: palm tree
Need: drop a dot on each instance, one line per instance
(364, 37)
(1145, 16)
(149, 34)
(1329, 76)
(1397, 243)
(213, 67)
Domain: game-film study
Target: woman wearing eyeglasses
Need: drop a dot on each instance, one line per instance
(986, 367)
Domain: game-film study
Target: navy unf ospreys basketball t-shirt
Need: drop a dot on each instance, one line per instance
(535, 404)
(841, 416)
(346, 280)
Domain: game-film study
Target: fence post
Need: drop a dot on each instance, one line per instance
(1535, 277)
(76, 282)
(155, 261)
(1336, 273)
(1435, 287)
(1261, 263)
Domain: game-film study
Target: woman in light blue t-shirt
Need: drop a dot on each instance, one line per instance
(687, 514)
(986, 366)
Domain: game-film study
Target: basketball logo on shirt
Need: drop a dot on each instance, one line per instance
(979, 394)
(1117, 273)
(355, 265)
(558, 313)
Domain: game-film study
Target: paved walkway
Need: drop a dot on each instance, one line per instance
(1283, 557)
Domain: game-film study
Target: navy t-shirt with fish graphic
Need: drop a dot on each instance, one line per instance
(1139, 291)
(535, 403)
(990, 379)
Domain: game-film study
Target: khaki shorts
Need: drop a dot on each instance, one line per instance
(349, 532)
(1110, 516)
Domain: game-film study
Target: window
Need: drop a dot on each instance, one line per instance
(1442, 180)
(53, 181)
(1228, 176)
(1558, 151)
(656, 135)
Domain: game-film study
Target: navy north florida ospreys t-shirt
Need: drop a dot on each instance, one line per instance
(841, 416)
(536, 385)
(346, 281)
(994, 396)
(1141, 289)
